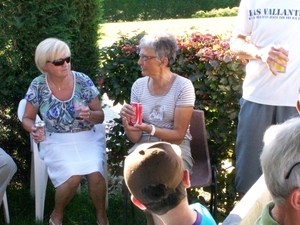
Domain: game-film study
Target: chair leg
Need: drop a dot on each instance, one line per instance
(32, 176)
(125, 196)
(214, 192)
(5, 208)
(41, 179)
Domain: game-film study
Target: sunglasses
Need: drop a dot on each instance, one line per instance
(290, 171)
(60, 62)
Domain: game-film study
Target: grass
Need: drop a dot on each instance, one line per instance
(80, 210)
(221, 25)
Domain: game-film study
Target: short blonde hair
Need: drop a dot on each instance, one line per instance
(48, 50)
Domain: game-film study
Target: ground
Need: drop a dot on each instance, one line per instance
(222, 26)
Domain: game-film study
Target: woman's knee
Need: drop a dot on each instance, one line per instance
(96, 177)
(74, 181)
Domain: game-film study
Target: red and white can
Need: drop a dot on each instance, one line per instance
(138, 118)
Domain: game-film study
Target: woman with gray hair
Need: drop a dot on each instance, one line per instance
(280, 160)
(72, 146)
(167, 98)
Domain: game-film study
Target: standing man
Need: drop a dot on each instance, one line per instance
(7, 169)
(266, 34)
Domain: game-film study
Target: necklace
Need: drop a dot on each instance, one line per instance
(170, 82)
(57, 87)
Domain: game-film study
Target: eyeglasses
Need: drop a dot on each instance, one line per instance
(145, 57)
(60, 62)
(290, 171)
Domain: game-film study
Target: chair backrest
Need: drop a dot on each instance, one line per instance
(202, 171)
(21, 110)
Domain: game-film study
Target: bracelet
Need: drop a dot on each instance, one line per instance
(153, 130)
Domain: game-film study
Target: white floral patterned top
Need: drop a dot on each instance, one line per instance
(59, 115)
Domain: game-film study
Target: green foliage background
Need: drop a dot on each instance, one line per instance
(23, 24)
(134, 10)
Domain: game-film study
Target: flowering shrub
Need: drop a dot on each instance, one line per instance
(217, 76)
(119, 67)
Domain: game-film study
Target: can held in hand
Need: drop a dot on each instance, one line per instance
(138, 117)
(40, 128)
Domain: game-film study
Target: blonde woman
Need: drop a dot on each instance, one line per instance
(72, 147)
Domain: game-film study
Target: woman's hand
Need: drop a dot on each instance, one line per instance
(93, 113)
(35, 134)
(133, 133)
(129, 127)
(85, 113)
(127, 112)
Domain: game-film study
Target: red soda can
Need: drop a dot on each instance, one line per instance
(138, 117)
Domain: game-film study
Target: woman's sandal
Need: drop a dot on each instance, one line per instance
(51, 222)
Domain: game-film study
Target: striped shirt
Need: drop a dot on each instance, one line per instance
(160, 110)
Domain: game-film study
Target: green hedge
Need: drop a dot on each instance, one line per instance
(223, 12)
(217, 76)
(142, 10)
(23, 24)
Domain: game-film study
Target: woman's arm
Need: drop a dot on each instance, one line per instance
(182, 118)
(29, 116)
(28, 120)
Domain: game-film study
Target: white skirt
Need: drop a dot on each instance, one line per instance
(68, 154)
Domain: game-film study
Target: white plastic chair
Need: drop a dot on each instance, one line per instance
(5, 208)
(101, 128)
(39, 175)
